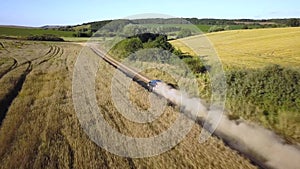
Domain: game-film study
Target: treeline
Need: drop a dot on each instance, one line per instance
(141, 41)
(138, 42)
(218, 28)
(216, 24)
(282, 22)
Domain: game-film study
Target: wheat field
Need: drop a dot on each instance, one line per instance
(251, 48)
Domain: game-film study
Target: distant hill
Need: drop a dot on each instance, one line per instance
(51, 26)
(252, 23)
(205, 25)
(21, 32)
(16, 26)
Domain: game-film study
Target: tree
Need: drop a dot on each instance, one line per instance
(216, 29)
(245, 27)
(184, 33)
(126, 47)
(294, 22)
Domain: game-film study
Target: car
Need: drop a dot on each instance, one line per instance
(152, 84)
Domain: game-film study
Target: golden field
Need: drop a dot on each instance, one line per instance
(251, 48)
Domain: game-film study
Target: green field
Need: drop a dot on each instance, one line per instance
(24, 32)
(205, 28)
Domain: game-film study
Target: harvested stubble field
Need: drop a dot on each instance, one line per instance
(40, 129)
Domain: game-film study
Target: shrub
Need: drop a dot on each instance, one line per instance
(184, 33)
(126, 47)
(271, 87)
(45, 37)
(216, 29)
(195, 64)
(83, 34)
(293, 22)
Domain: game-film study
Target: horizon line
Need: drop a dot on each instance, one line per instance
(86, 22)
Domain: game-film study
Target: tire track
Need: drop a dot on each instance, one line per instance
(13, 93)
(13, 66)
(48, 55)
(55, 52)
(71, 156)
(3, 47)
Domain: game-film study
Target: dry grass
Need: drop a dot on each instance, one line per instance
(253, 48)
(41, 129)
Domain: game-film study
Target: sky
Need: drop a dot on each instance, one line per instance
(67, 12)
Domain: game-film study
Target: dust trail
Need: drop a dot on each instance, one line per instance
(259, 144)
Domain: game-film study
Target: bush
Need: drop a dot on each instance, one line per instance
(45, 37)
(160, 41)
(269, 96)
(245, 27)
(195, 64)
(294, 22)
(83, 34)
(126, 47)
(271, 87)
(147, 37)
(216, 29)
(184, 33)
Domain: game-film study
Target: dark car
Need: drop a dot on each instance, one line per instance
(152, 84)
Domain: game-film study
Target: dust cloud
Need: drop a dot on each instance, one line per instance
(262, 146)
